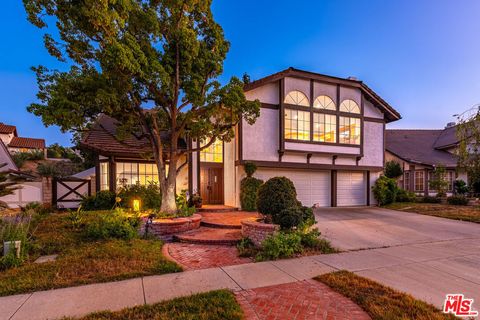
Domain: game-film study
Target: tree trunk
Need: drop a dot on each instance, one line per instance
(168, 198)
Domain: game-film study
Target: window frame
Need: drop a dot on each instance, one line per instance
(422, 173)
(308, 117)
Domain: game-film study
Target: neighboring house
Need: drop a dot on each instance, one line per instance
(324, 133)
(419, 152)
(14, 143)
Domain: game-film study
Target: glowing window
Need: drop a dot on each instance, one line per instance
(131, 173)
(297, 124)
(213, 153)
(104, 176)
(349, 130)
(324, 102)
(349, 106)
(297, 98)
(324, 127)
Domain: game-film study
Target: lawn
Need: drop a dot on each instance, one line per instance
(81, 261)
(465, 213)
(380, 302)
(213, 305)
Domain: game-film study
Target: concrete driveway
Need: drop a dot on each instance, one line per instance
(369, 227)
(425, 256)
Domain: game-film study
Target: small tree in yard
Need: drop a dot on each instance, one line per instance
(439, 181)
(128, 55)
(393, 169)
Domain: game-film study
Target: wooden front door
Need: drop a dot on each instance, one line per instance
(211, 185)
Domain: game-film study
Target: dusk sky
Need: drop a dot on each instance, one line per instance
(423, 57)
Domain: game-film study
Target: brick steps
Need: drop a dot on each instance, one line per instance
(216, 208)
(226, 220)
(211, 236)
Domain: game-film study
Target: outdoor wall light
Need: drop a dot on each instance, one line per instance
(136, 205)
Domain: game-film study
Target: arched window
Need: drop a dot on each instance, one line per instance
(297, 98)
(324, 102)
(349, 106)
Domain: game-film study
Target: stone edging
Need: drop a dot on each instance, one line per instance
(162, 227)
(258, 231)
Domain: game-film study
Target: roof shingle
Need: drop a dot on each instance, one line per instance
(7, 129)
(30, 143)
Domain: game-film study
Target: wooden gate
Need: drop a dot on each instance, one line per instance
(68, 192)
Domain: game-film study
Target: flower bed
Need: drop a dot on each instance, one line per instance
(258, 231)
(170, 226)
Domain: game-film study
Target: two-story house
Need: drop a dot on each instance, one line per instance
(326, 134)
(14, 143)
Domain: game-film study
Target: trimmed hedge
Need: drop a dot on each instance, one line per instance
(276, 195)
(405, 196)
(430, 199)
(249, 187)
(457, 200)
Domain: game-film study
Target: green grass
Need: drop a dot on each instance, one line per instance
(380, 302)
(464, 213)
(214, 305)
(81, 261)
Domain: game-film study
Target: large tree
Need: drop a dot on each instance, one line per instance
(152, 65)
(468, 150)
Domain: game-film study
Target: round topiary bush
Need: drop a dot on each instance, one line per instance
(276, 195)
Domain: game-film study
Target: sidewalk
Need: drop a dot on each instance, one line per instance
(427, 271)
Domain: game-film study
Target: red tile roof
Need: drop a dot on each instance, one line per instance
(7, 129)
(30, 143)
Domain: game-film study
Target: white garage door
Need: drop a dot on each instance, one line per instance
(351, 189)
(313, 187)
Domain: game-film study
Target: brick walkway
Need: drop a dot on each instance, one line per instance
(307, 299)
(197, 256)
(227, 219)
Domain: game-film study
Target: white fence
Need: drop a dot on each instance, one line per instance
(28, 192)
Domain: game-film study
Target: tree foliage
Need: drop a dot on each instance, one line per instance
(439, 181)
(468, 150)
(151, 65)
(393, 169)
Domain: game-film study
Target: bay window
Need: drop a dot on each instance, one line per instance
(419, 181)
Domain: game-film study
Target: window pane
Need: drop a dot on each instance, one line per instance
(349, 106)
(214, 153)
(324, 102)
(297, 98)
(324, 127)
(350, 130)
(299, 125)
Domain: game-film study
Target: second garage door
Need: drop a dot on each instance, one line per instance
(313, 187)
(351, 188)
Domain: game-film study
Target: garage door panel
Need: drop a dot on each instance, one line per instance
(313, 187)
(351, 188)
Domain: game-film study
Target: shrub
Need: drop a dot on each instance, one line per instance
(460, 187)
(439, 181)
(246, 248)
(293, 217)
(280, 245)
(385, 190)
(102, 200)
(250, 168)
(249, 187)
(311, 239)
(15, 230)
(457, 200)
(36, 208)
(393, 169)
(57, 169)
(430, 199)
(149, 195)
(405, 196)
(195, 200)
(184, 209)
(115, 224)
(275, 195)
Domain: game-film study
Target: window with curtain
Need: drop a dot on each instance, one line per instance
(324, 127)
(297, 125)
(297, 98)
(349, 130)
(213, 153)
(324, 102)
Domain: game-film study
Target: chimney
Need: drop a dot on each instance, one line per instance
(450, 124)
(352, 78)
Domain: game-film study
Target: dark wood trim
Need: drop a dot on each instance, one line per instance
(212, 164)
(311, 108)
(362, 126)
(54, 192)
(369, 119)
(308, 166)
(309, 155)
(71, 190)
(198, 168)
(112, 170)
(282, 115)
(337, 133)
(321, 153)
(269, 106)
(425, 182)
(411, 169)
(324, 143)
(384, 143)
(97, 173)
(368, 187)
(334, 158)
(190, 168)
(333, 188)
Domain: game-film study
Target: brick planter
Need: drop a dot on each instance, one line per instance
(165, 228)
(257, 231)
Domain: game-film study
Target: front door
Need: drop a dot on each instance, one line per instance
(211, 185)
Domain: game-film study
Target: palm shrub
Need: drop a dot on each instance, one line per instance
(249, 187)
(385, 190)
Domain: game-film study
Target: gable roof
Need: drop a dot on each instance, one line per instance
(102, 138)
(448, 138)
(29, 143)
(7, 129)
(390, 113)
(418, 146)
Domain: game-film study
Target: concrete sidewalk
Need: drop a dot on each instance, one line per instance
(428, 271)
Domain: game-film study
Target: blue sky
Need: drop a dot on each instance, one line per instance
(421, 56)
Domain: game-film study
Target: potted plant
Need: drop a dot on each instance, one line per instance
(195, 200)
